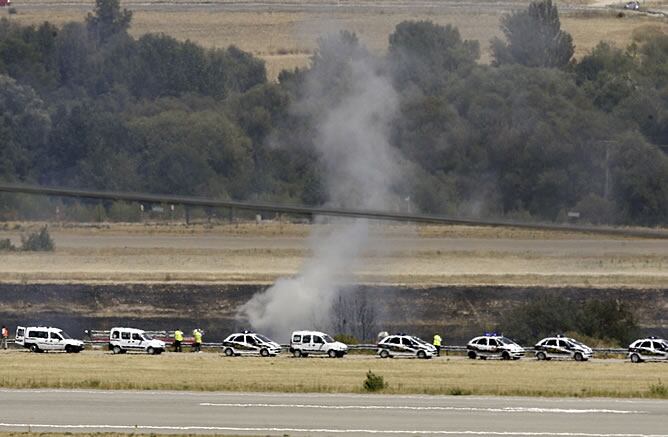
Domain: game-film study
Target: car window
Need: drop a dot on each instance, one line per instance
(297, 338)
(125, 335)
(551, 342)
(136, 336)
(562, 343)
(114, 335)
(55, 336)
(318, 339)
(645, 344)
(657, 345)
(405, 341)
(482, 342)
(238, 339)
(493, 342)
(250, 339)
(394, 340)
(306, 339)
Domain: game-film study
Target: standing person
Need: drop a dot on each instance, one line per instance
(5, 337)
(197, 344)
(437, 343)
(178, 338)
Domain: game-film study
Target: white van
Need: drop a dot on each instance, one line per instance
(45, 338)
(122, 340)
(304, 343)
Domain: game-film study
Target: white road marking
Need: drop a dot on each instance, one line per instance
(428, 408)
(316, 430)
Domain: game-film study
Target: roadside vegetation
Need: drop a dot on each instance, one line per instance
(211, 372)
(39, 241)
(535, 135)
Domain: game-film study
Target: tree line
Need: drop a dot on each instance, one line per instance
(534, 135)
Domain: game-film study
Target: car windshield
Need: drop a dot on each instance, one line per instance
(328, 339)
(146, 337)
(419, 340)
(506, 340)
(577, 343)
(263, 338)
(65, 335)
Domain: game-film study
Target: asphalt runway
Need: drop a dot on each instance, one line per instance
(310, 414)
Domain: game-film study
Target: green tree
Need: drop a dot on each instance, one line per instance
(108, 20)
(424, 53)
(533, 38)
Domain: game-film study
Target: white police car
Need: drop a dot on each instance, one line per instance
(402, 345)
(562, 347)
(648, 349)
(494, 346)
(305, 343)
(250, 343)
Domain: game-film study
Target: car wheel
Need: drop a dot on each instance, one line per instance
(69, 349)
(421, 354)
(331, 353)
(297, 353)
(635, 358)
(34, 348)
(150, 351)
(116, 350)
(472, 355)
(264, 352)
(229, 352)
(541, 356)
(505, 356)
(578, 356)
(384, 354)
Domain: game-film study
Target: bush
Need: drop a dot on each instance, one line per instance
(6, 245)
(374, 382)
(38, 241)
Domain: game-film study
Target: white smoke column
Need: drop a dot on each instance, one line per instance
(360, 171)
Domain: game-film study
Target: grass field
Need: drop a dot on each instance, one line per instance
(285, 38)
(453, 375)
(411, 255)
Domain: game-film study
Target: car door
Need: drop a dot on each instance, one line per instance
(126, 340)
(55, 341)
(137, 341)
(251, 345)
(319, 344)
(550, 348)
(563, 349)
(645, 350)
(20, 335)
(307, 343)
(407, 346)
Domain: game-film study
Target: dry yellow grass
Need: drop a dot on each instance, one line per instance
(285, 38)
(415, 256)
(211, 371)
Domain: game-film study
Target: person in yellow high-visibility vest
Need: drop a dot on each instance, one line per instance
(178, 338)
(437, 344)
(197, 343)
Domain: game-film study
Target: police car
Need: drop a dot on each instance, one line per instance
(46, 338)
(402, 345)
(250, 343)
(648, 349)
(494, 346)
(305, 343)
(562, 347)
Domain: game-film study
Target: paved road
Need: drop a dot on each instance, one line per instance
(299, 414)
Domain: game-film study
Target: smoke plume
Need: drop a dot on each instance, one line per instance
(360, 170)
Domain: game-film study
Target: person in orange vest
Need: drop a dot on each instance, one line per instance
(5, 337)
